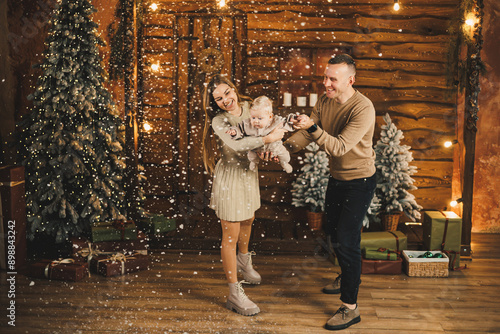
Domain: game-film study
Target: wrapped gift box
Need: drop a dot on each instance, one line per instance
(396, 240)
(382, 266)
(380, 254)
(82, 248)
(118, 264)
(62, 270)
(12, 218)
(425, 267)
(442, 230)
(118, 230)
(157, 223)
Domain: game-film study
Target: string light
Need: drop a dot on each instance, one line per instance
(396, 5)
(221, 3)
(147, 126)
(153, 7)
(155, 67)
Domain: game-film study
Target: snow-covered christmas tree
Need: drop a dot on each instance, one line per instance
(73, 161)
(393, 175)
(310, 187)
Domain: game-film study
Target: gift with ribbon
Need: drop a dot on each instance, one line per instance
(387, 267)
(380, 254)
(61, 269)
(442, 230)
(82, 248)
(117, 230)
(156, 223)
(395, 240)
(118, 264)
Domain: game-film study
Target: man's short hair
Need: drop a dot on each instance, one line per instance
(343, 58)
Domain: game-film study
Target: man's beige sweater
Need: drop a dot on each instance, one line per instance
(345, 133)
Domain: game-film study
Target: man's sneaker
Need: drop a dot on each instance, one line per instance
(333, 288)
(239, 302)
(343, 318)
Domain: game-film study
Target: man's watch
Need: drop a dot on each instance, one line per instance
(312, 128)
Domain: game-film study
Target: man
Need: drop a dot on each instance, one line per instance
(342, 124)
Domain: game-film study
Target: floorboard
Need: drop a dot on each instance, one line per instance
(185, 292)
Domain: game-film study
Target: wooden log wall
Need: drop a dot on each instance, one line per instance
(401, 60)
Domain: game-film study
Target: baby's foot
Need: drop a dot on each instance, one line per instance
(288, 168)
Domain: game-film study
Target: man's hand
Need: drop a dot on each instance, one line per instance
(302, 122)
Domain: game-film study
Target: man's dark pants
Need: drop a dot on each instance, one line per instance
(346, 204)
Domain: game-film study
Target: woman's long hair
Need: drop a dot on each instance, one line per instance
(211, 110)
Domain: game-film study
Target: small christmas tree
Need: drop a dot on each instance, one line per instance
(73, 157)
(394, 175)
(310, 187)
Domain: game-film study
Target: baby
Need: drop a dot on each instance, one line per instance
(261, 122)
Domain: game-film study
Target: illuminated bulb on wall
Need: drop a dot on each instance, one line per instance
(155, 67)
(153, 6)
(469, 22)
(147, 126)
(455, 202)
(449, 143)
(396, 5)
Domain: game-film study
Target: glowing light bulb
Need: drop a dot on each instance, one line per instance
(222, 3)
(155, 67)
(396, 5)
(147, 126)
(450, 143)
(153, 6)
(454, 203)
(469, 22)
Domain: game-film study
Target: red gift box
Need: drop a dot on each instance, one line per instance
(118, 264)
(382, 266)
(62, 270)
(82, 248)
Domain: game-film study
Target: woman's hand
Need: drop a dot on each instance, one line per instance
(275, 135)
(267, 156)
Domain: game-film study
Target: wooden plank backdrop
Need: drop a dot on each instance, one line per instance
(401, 60)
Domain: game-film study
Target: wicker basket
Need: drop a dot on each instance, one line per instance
(390, 221)
(315, 220)
(425, 267)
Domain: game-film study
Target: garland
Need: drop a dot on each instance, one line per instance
(475, 67)
(457, 70)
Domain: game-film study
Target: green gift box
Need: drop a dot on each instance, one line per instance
(157, 223)
(118, 230)
(442, 230)
(396, 240)
(380, 254)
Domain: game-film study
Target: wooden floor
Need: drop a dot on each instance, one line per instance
(184, 292)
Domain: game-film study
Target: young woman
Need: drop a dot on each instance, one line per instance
(235, 189)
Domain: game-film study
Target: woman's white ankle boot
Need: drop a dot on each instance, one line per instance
(244, 265)
(239, 302)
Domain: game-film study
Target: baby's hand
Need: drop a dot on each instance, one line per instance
(231, 132)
